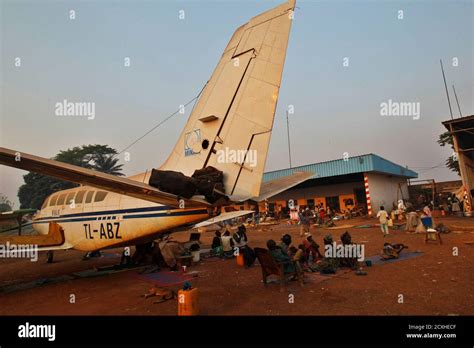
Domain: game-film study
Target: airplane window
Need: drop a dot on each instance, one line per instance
(53, 200)
(100, 196)
(45, 203)
(70, 197)
(61, 199)
(80, 197)
(89, 196)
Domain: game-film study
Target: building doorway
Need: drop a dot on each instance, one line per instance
(360, 197)
(333, 203)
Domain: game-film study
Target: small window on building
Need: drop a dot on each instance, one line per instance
(70, 197)
(62, 198)
(100, 196)
(53, 200)
(80, 197)
(89, 196)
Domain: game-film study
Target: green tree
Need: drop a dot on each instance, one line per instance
(108, 164)
(5, 203)
(37, 186)
(452, 162)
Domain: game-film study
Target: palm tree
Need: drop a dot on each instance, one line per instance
(107, 164)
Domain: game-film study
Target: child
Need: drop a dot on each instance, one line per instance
(383, 219)
(216, 248)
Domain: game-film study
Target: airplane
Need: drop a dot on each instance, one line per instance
(235, 112)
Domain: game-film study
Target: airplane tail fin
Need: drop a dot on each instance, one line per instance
(231, 123)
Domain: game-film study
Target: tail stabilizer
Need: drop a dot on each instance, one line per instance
(230, 126)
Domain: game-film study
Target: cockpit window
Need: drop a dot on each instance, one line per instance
(53, 200)
(45, 203)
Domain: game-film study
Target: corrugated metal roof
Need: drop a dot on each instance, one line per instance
(351, 165)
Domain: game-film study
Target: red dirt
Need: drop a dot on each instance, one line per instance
(435, 283)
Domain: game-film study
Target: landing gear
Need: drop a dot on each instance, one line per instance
(49, 256)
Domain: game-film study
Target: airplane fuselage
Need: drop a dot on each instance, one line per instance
(95, 219)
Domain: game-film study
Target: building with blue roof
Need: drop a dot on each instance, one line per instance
(366, 182)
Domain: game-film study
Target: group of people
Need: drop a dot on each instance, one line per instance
(412, 218)
(301, 256)
(306, 255)
(320, 215)
(228, 246)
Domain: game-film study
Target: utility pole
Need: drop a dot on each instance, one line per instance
(446, 87)
(288, 132)
(457, 101)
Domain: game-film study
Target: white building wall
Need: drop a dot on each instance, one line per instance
(385, 190)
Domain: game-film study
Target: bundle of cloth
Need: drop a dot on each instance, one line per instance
(207, 181)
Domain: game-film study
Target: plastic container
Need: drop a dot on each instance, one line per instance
(427, 221)
(240, 260)
(188, 302)
(196, 255)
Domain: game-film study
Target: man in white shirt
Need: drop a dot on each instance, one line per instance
(383, 219)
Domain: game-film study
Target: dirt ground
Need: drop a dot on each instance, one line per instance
(435, 283)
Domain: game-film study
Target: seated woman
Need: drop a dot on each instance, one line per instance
(311, 248)
(227, 245)
(298, 255)
(281, 257)
(285, 243)
(240, 241)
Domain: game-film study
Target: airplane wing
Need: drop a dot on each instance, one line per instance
(223, 217)
(84, 176)
(273, 187)
(14, 214)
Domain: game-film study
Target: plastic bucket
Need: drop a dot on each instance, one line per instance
(196, 255)
(427, 221)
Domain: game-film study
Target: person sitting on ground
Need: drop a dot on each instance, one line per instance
(311, 248)
(240, 241)
(216, 247)
(281, 257)
(328, 265)
(285, 243)
(240, 237)
(392, 251)
(170, 250)
(227, 245)
(350, 262)
(383, 219)
(298, 256)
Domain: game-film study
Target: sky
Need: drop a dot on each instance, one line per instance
(337, 106)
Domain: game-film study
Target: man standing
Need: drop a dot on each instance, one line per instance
(383, 219)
